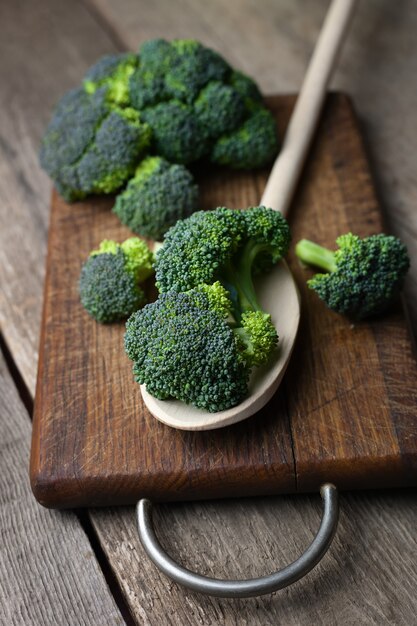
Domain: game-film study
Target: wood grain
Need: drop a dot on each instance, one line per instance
(94, 441)
(367, 578)
(48, 571)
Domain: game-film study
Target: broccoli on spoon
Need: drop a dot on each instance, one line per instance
(201, 349)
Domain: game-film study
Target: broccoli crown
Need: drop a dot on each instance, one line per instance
(364, 275)
(178, 100)
(258, 337)
(219, 109)
(220, 244)
(90, 146)
(253, 144)
(109, 280)
(197, 248)
(112, 71)
(182, 348)
(156, 197)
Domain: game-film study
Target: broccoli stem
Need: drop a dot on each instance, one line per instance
(313, 254)
(239, 276)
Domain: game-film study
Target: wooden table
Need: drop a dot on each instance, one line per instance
(87, 567)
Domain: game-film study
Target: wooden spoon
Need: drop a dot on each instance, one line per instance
(277, 291)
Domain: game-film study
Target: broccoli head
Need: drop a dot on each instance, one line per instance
(109, 281)
(156, 197)
(254, 144)
(225, 245)
(183, 348)
(178, 100)
(363, 276)
(91, 147)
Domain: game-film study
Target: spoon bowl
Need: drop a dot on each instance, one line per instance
(277, 294)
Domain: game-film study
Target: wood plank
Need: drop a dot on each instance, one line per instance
(48, 572)
(94, 439)
(367, 577)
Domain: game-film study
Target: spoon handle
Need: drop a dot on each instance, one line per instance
(284, 176)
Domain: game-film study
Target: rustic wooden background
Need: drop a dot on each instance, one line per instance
(88, 567)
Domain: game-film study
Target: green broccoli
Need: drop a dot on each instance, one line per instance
(184, 347)
(227, 246)
(254, 144)
(363, 276)
(109, 281)
(112, 71)
(177, 100)
(91, 147)
(156, 197)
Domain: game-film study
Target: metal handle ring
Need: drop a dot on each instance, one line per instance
(249, 587)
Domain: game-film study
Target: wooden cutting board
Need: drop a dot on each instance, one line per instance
(346, 409)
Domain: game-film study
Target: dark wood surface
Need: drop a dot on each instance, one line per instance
(344, 414)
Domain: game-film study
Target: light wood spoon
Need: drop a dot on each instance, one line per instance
(277, 291)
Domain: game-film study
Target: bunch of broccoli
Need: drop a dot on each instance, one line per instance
(200, 340)
(179, 101)
(110, 279)
(362, 277)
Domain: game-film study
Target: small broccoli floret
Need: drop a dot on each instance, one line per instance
(219, 109)
(246, 88)
(364, 275)
(113, 72)
(156, 197)
(182, 348)
(119, 143)
(254, 144)
(109, 281)
(90, 147)
(192, 67)
(177, 134)
(258, 337)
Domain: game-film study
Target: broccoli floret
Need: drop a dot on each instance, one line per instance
(254, 144)
(112, 71)
(119, 143)
(363, 276)
(227, 246)
(159, 194)
(182, 348)
(192, 67)
(90, 146)
(177, 134)
(246, 88)
(219, 109)
(109, 281)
